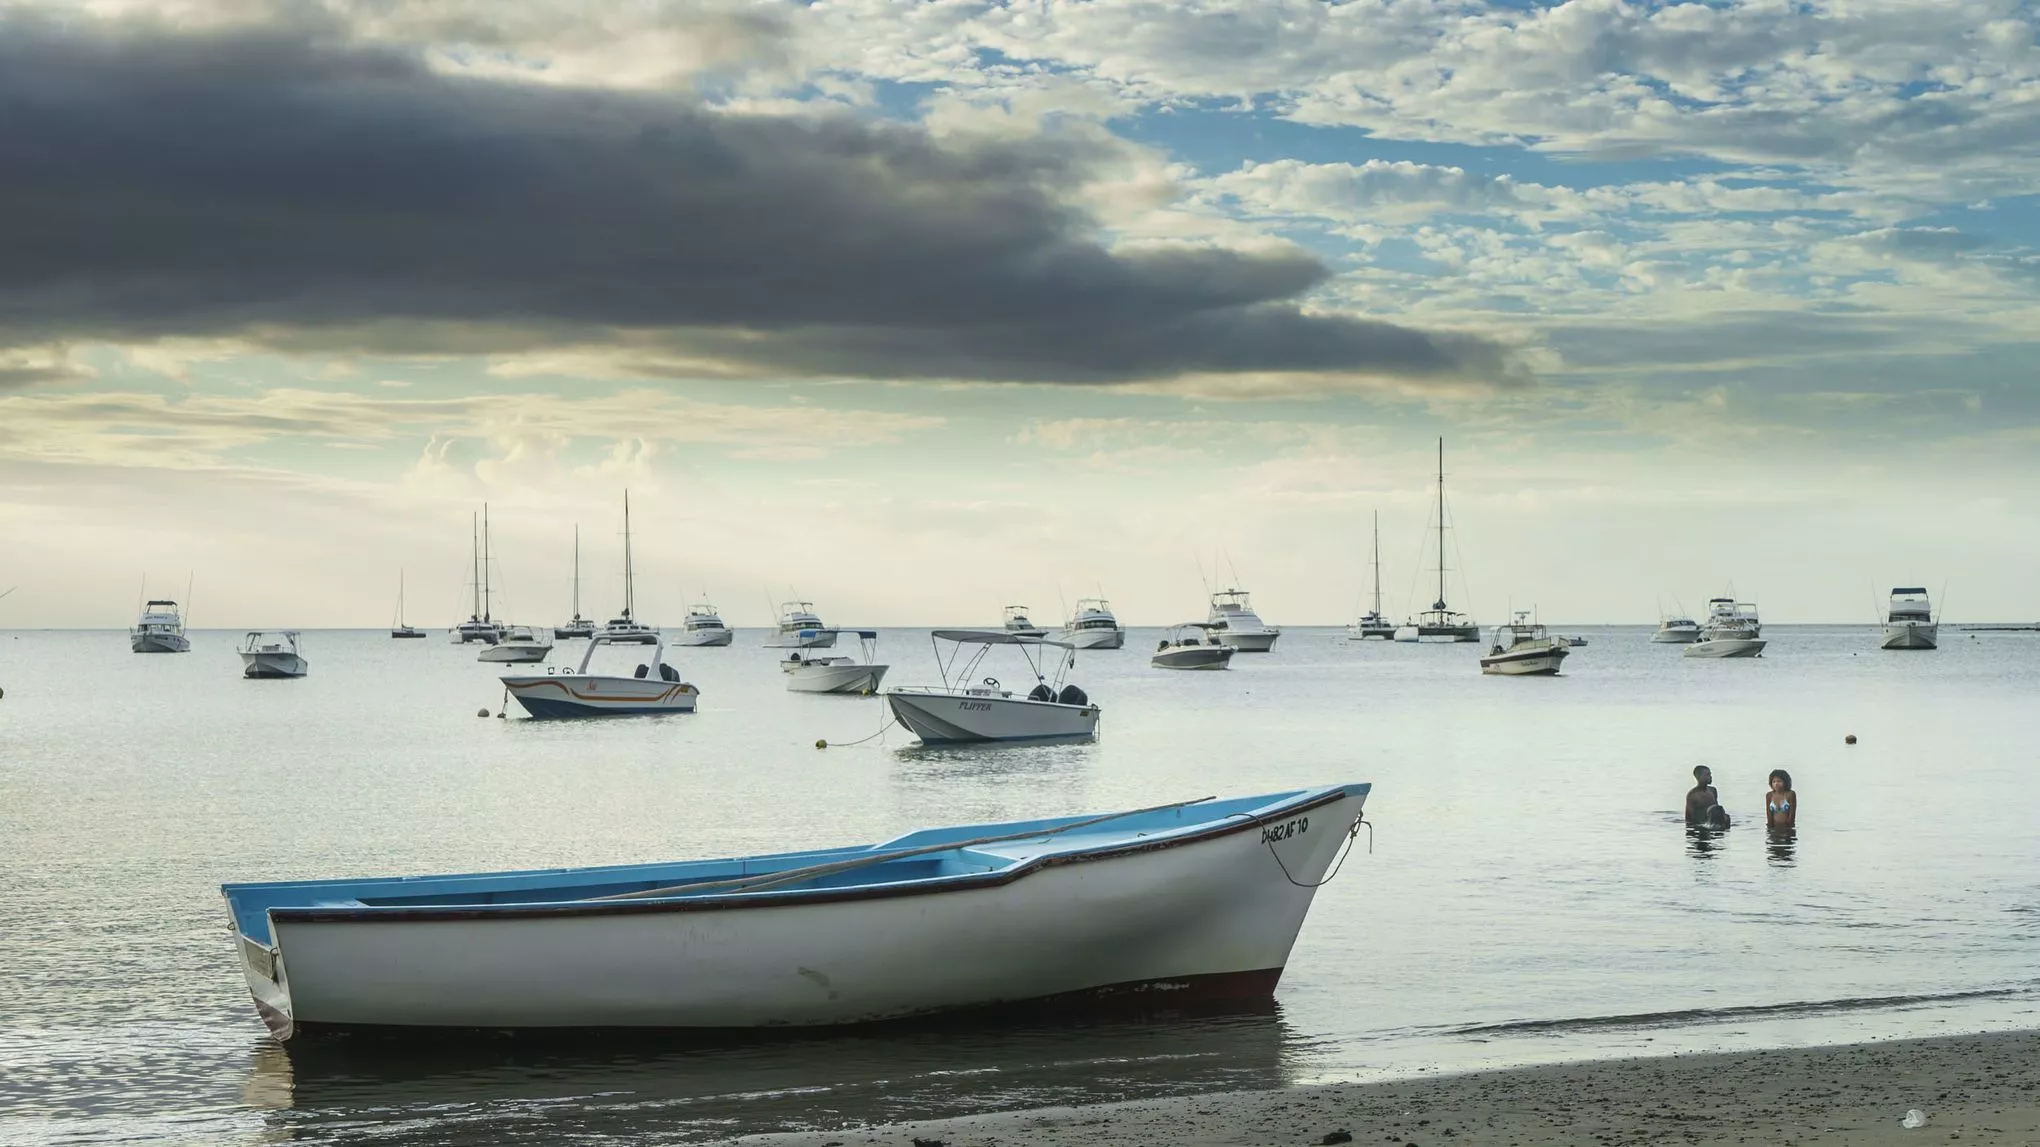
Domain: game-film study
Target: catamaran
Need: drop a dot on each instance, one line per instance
(966, 708)
(580, 627)
(1441, 622)
(1093, 626)
(1371, 623)
(160, 629)
(625, 628)
(479, 626)
(1910, 623)
(1196, 900)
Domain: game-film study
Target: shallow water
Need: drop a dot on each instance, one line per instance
(1531, 894)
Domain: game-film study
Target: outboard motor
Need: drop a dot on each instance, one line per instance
(1071, 695)
(1041, 692)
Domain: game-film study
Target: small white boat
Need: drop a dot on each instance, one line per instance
(1910, 623)
(1178, 903)
(654, 688)
(966, 708)
(1233, 622)
(580, 628)
(810, 673)
(1371, 623)
(1094, 626)
(269, 654)
(1676, 631)
(479, 626)
(1186, 647)
(703, 627)
(159, 630)
(1017, 622)
(625, 628)
(1732, 630)
(1523, 648)
(519, 644)
(800, 628)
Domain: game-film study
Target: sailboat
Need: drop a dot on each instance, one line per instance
(1371, 623)
(479, 626)
(1440, 622)
(580, 626)
(625, 628)
(403, 628)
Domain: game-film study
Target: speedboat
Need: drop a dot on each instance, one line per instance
(1017, 622)
(1233, 622)
(654, 688)
(703, 627)
(801, 628)
(1522, 648)
(1677, 631)
(272, 654)
(519, 644)
(967, 708)
(1094, 626)
(160, 630)
(1910, 622)
(825, 674)
(1190, 901)
(1732, 630)
(1186, 648)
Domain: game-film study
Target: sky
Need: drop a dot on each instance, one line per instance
(915, 310)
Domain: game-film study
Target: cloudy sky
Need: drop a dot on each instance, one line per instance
(917, 309)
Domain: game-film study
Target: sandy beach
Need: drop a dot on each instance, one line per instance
(1972, 1089)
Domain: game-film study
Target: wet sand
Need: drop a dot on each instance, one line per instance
(1972, 1089)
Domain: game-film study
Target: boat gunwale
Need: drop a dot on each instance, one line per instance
(1228, 825)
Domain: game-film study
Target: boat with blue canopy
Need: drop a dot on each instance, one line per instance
(1192, 900)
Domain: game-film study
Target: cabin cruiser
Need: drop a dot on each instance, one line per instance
(1910, 624)
(966, 708)
(1233, 622)
(160, 630)
(1018, 623)
(1676, 631)
(703, 627)
(1732, 630)
(1523, 648)
(812, 673)
(1186, 647)
(654, 688)
(519, 644)
(1094, 626)
(801, 628)
(272, 654)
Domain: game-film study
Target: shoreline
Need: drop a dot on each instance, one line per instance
(1982, 1088)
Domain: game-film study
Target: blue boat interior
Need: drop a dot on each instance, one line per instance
(251, 904)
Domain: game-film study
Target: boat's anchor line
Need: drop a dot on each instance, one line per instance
(1351, 834)
(824, 743)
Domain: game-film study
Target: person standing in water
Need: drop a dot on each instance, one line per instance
(1781, 804)
(1703, 804)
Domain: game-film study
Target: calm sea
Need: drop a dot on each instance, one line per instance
(1531, 894)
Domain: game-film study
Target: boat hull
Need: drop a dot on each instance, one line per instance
(507, 654)
(1361, 631)
(159, 643)
(857, 677)
(1527, 663)
(634, 637)
(1675, 636)
(1911, 635)
(1095, 638)
(1208, 915)
(824, 639)
(1726, 647)
(1193, 657)
(573, 632)
(273, 666)
(406, 634)
(939, 717)
(1262, 642)
(702, 639)
(1455, 634)
(564, 695)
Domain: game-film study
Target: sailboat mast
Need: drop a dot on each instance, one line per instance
(577, 571)
(485, 561)
(1441, 523)
(475, 552)
(629, 587)
(1377, 563)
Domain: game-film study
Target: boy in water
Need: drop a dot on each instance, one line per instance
(1703, 804)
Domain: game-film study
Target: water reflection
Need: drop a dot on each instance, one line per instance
(1703, 842)
(513, 1090)
(1779, 844)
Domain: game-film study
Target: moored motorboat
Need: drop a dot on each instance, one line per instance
(654, 688)
(1171, 904)
(1187, 647)
(1676, 631)
(1909, 623)
(965, 708)
(703, 627)
(800, 628)
(269, 654)
(1733, 630)
(809, 673)
(160, 629)
(1523, 648)
(1232, 621)
(1017, 622)
(520, 644)
(1093, 626)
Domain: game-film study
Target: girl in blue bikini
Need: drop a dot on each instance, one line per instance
(1781, 804)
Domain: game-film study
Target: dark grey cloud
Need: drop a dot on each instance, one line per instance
(291, 185)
